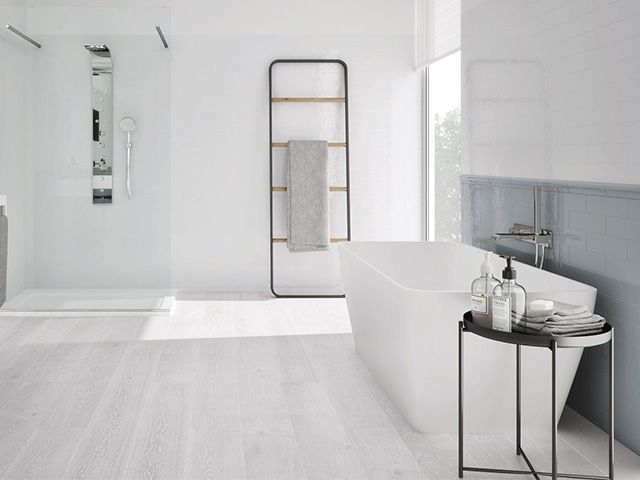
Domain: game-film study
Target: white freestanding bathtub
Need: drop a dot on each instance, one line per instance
(405, 300)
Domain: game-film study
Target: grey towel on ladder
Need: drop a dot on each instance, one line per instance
(4, 240)
(308, 196)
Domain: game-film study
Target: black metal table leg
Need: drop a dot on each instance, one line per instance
(554, 410)
(611, 406)
(460, 400)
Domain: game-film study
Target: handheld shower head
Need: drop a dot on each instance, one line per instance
(128, 124)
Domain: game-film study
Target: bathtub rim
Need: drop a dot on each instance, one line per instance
(347, 247)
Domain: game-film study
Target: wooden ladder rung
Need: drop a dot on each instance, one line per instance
(333, 240)
(331, 189)
(330, 144)
(308, 99)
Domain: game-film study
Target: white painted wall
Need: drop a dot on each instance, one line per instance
(219, 185)
(14, 169)
(220, 215)
(551, 89)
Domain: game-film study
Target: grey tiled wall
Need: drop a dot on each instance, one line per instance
(596, 230)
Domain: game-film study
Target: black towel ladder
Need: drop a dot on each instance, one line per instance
(345, 144)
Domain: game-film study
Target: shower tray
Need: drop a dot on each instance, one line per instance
(90, 300)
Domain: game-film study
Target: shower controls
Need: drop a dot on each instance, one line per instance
(128, 125)
(102, 123)
(96, 125)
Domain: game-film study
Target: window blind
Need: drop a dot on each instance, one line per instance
(437, 30)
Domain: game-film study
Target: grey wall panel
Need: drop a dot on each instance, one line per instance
(596, 241)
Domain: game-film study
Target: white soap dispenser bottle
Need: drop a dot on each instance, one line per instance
(509, 300)
(481, 293)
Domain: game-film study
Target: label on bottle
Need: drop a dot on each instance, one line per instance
(479, 304)
(501, 314)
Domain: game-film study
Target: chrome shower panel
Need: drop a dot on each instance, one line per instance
(102, 123)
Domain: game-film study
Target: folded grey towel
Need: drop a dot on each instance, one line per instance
(589, 331)
(577, 334)
(527, 319)
(540, 313)
(561, 311)
(308, 196)
(592, 323)
(571, 330)
(569, 318)
(555, 319)
(566, 309)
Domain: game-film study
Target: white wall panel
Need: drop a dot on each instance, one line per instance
(577, 64)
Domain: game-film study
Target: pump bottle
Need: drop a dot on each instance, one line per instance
(481, 293)
(509, 300)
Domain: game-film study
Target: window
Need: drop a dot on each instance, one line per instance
(443, 148)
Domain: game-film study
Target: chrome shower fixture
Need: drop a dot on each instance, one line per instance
(541, 238)
(128, 125)
(97, 48)
(12, 29)
(162, 37)
(102, 123)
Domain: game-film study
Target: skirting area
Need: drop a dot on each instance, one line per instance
(227, 388)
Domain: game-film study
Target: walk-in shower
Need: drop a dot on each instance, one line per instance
(82, 235)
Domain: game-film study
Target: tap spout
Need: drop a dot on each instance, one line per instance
(498, 236)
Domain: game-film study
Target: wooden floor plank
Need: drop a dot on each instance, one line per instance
(45, 456)
(350, 395)
(384, 454)
(102, 450)
(231, 387)
(269, 443)
(328, 451)
(156, 450)
(214, 448)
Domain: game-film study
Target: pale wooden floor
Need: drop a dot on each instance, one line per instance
(225, 389)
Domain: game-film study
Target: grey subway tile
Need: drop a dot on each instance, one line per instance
(634, 251)
(634, 209)
(608, 206)
(610, 246)
(627, 375)
(572, 238)
(601, 304)
(623, 269)
(595, 262)
(575, 202)
(523, 214)
(587, 222)
(623, 228)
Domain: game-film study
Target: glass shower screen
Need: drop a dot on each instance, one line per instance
(83, 244)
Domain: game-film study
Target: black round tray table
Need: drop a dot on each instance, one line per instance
(553, 343)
